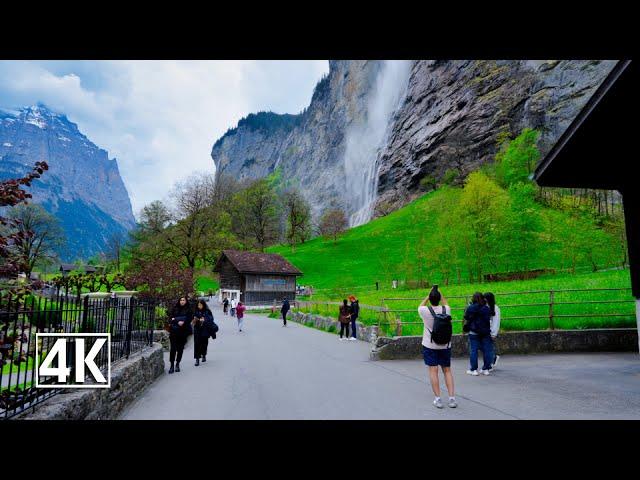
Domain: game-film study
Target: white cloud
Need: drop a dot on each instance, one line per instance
(159, 118)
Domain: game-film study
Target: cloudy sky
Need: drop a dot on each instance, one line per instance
(159, 118)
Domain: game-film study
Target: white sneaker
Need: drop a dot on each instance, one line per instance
(486, 372)
(495, 362)
(353, 339)
(341, 339)
(453, 403)
(473, 372)
(438, 403)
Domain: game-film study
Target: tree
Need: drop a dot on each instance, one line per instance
(333, 222)
(517, 158)
(481, 209)
(12, 193)
(113, 248)
(524, 224)
(298, 214)
(39, 234)
(255, 218)
(160, 279)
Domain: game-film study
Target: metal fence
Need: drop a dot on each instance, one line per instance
(129, 321)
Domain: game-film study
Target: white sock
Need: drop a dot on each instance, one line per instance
(437, 398)
(452, 398)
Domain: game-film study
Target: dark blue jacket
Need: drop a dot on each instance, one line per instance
(204, 329)
(479, 318)
(181, 313)
(285, 306)
(355, 310)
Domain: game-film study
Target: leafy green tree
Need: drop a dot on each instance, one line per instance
(481, 210)
(521, 245)
(517, 158)
(255, 217)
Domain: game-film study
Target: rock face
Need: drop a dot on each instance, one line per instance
(82, 187)
(454, 111)
(309, 147)
(450, 117)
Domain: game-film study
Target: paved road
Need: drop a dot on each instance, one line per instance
(271, 372)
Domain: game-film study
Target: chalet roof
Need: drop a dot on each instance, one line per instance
(593, 151)
(597, 151)
(257, 263)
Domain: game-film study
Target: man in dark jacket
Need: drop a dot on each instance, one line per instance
(478, 324)
(355, 311)
(284, 310)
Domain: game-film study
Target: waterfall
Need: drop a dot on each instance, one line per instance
(365, 140)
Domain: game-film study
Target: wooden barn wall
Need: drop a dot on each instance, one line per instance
(270, 283)
(229, 277)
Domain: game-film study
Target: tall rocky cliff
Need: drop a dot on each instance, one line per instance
(449, 115)
(82, 187)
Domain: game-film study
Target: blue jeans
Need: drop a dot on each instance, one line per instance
(353, 327)
(485, 344)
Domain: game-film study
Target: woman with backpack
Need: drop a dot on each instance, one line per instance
(436, 343)
(240, 308)
(478, 325)
(494, 311)
(203, 328)
(179, 330)
(344, 313)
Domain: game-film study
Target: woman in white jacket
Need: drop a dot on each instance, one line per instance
(495, 323)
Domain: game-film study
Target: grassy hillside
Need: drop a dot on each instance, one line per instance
(406, 245)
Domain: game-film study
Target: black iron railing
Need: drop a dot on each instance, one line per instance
(130, 322)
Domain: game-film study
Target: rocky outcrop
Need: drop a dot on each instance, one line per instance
(454, 111)
(83, 187)
(308, 148)
(451, 117)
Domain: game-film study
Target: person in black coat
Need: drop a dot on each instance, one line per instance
(180, 329)
(284, 310)
(203, 328)
(355, 312)
(478, 325)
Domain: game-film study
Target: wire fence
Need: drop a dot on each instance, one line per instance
(129, 321)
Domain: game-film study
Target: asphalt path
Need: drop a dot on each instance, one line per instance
(269, 372)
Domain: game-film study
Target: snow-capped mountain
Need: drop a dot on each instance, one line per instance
(83, 187)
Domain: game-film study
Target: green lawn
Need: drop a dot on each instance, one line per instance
(206, 284)
(387, 248)
(508, 294)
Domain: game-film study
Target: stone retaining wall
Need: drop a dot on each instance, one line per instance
(367, 333)
(161, 337)
(546, 341)
(129, 378)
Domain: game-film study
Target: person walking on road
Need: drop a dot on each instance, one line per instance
(478, 326)
(203, 328)
(343, 317)
(240, 308)
(180, 329)
(436, 343)
(233, 304)
(284, 310)
(354, 309)
(225, 306)
(494, 311)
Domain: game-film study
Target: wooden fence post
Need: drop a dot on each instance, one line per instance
(551, 295)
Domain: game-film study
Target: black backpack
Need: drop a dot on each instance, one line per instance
(442, 328)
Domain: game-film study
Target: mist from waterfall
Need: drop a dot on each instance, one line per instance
(365, 140)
